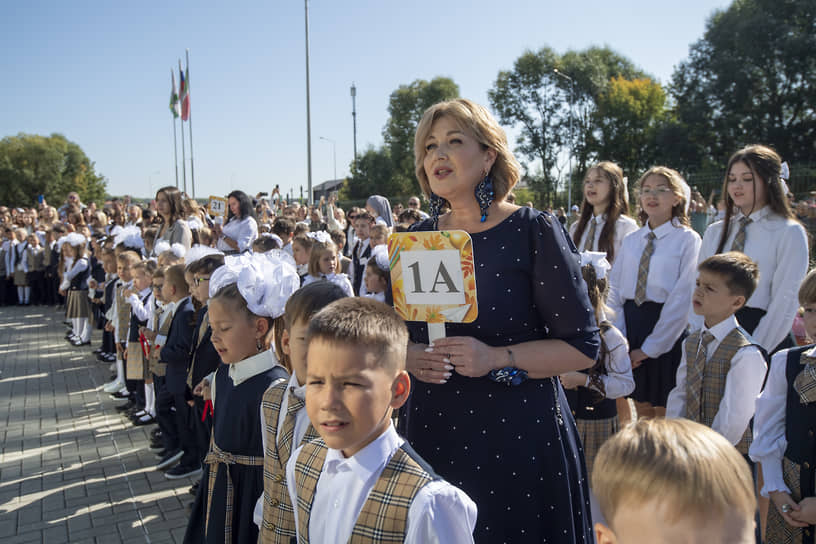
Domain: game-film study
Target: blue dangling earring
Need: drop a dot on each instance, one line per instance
(435, 207)
(484, 195)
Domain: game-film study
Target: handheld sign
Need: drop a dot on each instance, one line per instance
(432, 278)
(217, 206)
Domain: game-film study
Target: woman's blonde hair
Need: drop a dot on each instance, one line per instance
(807, 290)
(676, 184)
(476, 120)
(694, 469)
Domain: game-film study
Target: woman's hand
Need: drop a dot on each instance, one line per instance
(427, 364)
(469, 356)
(637, 357)
(573, 380)
(807, 512)
(780, 499)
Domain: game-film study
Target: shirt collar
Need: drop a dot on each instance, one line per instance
(369, 460)
(723, 328)
(144, 292)
(252, 366)
(810, 352)
(757, 215)
(662, 230)
(599, 218)
(297, 390)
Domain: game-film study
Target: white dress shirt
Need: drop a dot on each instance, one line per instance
(780, 249)
(243, 231)
(76, 268)
(618, 381)
(623, 226)
(301, 424)
(672, 271)
(142, 310)
(742, 384)
(439, 513)
(770, 442)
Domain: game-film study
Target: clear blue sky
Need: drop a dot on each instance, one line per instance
(98, 72)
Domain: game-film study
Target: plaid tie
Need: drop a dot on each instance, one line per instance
(590, 239)
(288, 431)
(643, 270)
(739, 239)
(805, 382)
(694, 380)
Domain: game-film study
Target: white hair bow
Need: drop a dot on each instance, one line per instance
(264, 281)
(380, 255)
(320, 236)
(198, 252)
(598, 261)
(73, 239)
(130, 236)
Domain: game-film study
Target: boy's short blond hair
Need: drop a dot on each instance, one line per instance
(695, 470)
(807, 291)
(379, 232)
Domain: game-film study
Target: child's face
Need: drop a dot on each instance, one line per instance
(157, 284)
(362, 227)
(201, 287)
(712, 298)
(234, 333)
(349, 395)
(378, 240)
(657, 199)
(373, 282)
(809, 317)
(141, 280)
(168, 291)
(300, 254)
(746, 190)
(597, 188)
(109, 264)
(328, 262)
(123, 270)
(293, 344)
(188, 277)
(650, 523)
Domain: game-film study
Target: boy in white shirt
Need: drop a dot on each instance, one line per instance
(360, 479)
(722, 369)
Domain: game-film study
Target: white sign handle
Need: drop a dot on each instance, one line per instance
(435, 331)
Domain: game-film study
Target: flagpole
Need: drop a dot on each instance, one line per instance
(183, 157)
(190, 120)
(175, 143)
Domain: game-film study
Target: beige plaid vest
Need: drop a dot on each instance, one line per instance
(714, 375)
(384, 516)
(157, 367)
(278, 515)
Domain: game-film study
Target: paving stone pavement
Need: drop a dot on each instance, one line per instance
(72, 469)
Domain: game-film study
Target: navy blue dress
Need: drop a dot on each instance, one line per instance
(514, 450)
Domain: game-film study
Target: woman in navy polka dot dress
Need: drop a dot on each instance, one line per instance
(486, 411)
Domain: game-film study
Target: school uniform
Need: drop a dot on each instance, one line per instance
(779, 247)
(108, 293)
(19, 266)
(3, 259)
(591, 236)
(387, 491)
(36, 274)
(140, 308)
(165, 415)
(233, 472)
(204, 360)
(718, 380)
(285, 426)
(75, 282)
(359, 257)
(341, 280)
(51, 262)
(593, 405)
(785, 437)
(655, 325)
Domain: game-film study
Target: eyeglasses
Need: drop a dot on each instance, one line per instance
(198, 281)
(657, 191)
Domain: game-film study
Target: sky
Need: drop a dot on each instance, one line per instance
(99, 73)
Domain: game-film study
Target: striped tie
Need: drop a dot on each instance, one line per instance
(694, 379)
(643, 271)
(285, 445)
(805, 382)
(590, 239)
(739, 239)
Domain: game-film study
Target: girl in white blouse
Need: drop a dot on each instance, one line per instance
(241, 229)
(604, 222)
(651, 285)
(759, 222)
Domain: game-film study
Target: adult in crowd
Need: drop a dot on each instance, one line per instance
(134, 215)
(414, 204)
(173, 227)
(241, 228)
(71, 201)
(487, 410)
(380, 209)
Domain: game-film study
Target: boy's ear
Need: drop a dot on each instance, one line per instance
(739, 302)
(285, 339)
(400, 389)
(604, 535)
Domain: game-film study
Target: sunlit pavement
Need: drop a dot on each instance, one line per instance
(72, 469)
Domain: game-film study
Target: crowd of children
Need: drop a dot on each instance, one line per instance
(273, 374)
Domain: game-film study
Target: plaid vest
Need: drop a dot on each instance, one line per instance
(384, 516)
(714, 375)
(278, 515)
(157, 367)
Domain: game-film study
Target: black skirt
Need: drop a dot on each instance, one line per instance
(654, 378)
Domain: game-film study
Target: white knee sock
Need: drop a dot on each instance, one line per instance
(84, 329)
(150, 399)
(120, 370)
(27, 293)
(75, 326)
(20, 295)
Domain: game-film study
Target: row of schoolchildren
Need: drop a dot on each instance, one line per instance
(741, 286)
(28, 268)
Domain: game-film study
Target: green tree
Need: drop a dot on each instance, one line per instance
(405, 108)
(371, 174)
(31, 165)
(750, 79)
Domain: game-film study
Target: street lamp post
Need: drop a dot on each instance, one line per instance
(334, 153)
(572, 138)
(308, 111)
(354, 118)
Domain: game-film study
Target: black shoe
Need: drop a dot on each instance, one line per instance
(157, 447)
(180, 471)
(119, 395)
(156, 433)
(97, 351)
(109, 357)
(194, 488)
(146, 419)
(169, 460)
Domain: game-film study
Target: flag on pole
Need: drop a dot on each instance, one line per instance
(174, 99)
(184, 95)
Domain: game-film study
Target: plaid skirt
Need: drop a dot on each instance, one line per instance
(77, 305)
(135, 367)
(20, 279)
(778, 531)
(593, 433)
